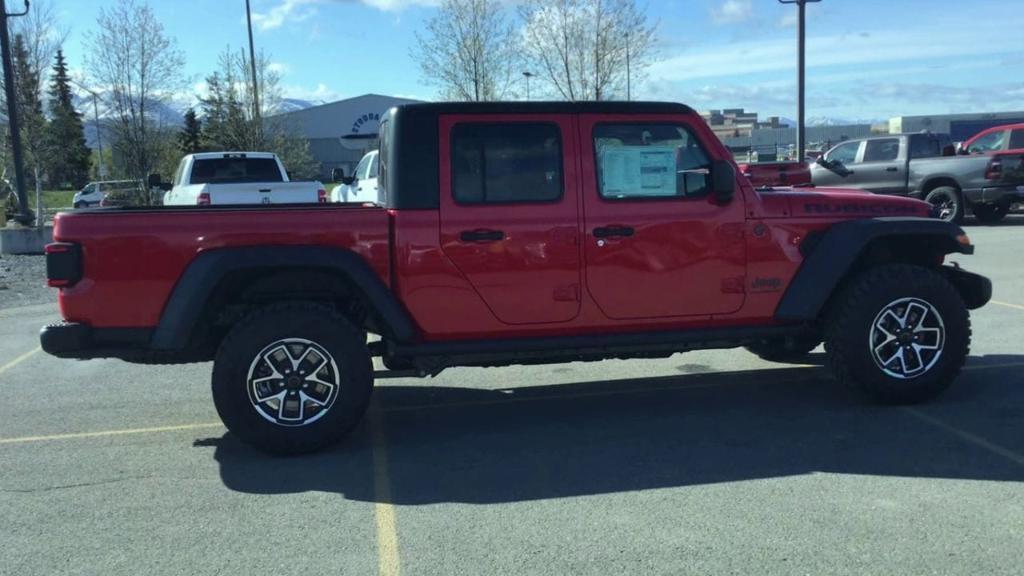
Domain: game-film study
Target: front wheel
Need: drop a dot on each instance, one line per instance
(292, 378)
(899, 334)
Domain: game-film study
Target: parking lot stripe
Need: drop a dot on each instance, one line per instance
(968, 437)
(75, 435)
(19, 359)
(1007, 304)
(388, 563)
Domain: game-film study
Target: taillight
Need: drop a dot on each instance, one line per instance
(203, 199)
(321, 196)
(995, 169)
(63, 264)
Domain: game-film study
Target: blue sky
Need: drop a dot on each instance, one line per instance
(867, 59)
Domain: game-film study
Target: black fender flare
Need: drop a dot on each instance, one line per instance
(829, 256)
(184, 308)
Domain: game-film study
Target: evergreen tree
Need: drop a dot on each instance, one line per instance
(68, 158)
(190, 139)
(30, 110)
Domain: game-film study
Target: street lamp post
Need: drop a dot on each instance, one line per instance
(12, 114)
(255, 83)
(801, 18)
(527, 75)
(102, 170)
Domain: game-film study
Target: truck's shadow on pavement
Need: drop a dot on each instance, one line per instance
(446, 444)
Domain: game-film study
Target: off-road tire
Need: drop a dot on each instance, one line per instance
(785, 349)
(950, 198)
(252, 336)
(990, 213)
(849, 332)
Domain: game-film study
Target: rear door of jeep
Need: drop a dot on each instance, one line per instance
(509, 213)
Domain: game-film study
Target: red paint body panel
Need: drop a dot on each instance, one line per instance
(691, 263)
(133, 259)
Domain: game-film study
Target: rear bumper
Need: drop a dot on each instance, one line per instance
(81, 341)
(993, 194)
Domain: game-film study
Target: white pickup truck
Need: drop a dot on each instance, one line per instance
(237, 178)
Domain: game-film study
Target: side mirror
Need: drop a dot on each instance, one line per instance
(723, 181)
(166, 186)
(154, 181)
(820, 161)
(338, 175)
(348, 180)
(949, 150)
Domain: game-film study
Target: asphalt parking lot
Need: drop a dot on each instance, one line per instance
(704, 463)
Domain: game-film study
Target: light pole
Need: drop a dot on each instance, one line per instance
(801, 18)
(252, 63)
(629, 95)
(102, 170)
(527, 75)
(12, 114)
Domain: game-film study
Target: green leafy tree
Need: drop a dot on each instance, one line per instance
(69, 158)
(190, 139)
(30, 111)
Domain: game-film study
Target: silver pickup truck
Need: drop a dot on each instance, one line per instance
(926, 166)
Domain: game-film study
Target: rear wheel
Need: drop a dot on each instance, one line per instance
(990, 213)
(948, 202)
(292, 378)
(785, 349)
(899, 334)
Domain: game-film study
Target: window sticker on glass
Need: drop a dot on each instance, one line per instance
(648, 171)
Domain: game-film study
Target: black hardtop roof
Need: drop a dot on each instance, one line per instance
(555, 107)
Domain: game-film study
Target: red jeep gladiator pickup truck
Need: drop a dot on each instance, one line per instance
(514, 233)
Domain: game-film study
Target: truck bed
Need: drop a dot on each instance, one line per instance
(145, 251)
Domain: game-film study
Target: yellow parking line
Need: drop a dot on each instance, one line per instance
(1007, 304)
(19, 359)
(968, 437)
(75, 435)
(388, 563)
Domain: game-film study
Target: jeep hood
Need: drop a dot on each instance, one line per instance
(836, 203)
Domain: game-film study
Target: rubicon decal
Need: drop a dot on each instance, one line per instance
(873, 209)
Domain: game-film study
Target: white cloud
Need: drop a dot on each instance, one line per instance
(397, 5)
(287, 11)
(279, 68)
(732, 11)
(321, 93)
(789, 20)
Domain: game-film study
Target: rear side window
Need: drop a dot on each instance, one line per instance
(235, 170)
(649, 161)
(363, 168)
(374, 166)
(884, 150)
(1017, 139)
(925, 147)
(506, 163)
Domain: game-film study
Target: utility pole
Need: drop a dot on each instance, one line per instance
(528, 75)
(255, 84)
(12, 114)
(801, 142)
(629, 95)
(99, 133)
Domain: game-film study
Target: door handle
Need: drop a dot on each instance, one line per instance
(481, 235)
(610, 231)
(264, 190)
(892, 169)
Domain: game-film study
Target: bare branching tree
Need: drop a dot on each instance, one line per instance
(228, 113)
(469, 51)
(139, 67)
(582, 48)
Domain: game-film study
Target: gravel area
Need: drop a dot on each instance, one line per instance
(23, 281)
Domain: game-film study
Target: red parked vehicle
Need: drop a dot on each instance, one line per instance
(514, 233)
(1008, 138)
(768, 174)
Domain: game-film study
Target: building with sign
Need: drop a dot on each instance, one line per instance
(327, 126)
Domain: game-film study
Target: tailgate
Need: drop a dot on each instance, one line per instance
(264, 193)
